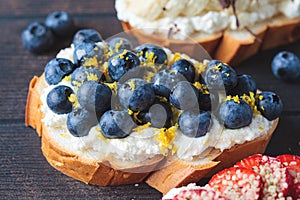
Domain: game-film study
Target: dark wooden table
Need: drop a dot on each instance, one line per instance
(24, 172)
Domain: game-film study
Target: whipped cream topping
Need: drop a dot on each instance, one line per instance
(195, 18)
(143, 144)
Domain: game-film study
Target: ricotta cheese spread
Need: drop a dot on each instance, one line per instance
(196, 17)
(145, 142)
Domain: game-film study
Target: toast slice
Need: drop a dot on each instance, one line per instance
(160, 172)
(237, 46)
(230, 46)
(281, 31)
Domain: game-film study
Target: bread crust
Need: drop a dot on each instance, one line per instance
(229, 48)
(161, 174)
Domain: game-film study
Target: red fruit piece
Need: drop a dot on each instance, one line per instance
(277, 182)
(292, 163)
(237, 183)
(199, 194)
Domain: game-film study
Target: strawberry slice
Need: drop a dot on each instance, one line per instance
(277, 181)
(199, 194)
(237, 183)
(292, 163)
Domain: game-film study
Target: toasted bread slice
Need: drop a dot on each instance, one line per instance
(231, 46)
(163, 174)
(281, 30)
(90, 171)
(237, 46)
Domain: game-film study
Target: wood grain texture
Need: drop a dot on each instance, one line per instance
(24, 172)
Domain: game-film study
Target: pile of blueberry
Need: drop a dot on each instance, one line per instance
(39, 37)
(120, 87)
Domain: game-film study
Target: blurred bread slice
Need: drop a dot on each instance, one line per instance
(232, 46)
(281, 31)
(237, 46)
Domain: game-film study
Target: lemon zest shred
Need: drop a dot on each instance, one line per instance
(236, 98)
(199, 67)
(72, 98)
(118, 45)
(176, 57)
(250, 100)
(89, 62)
(139, 129)
(113, 86)
(198, 85)
(148, 76)
(130, 112)
(150, 57)
(65, 135)
(91, 76)
(67, 78)
(77, 83)
(131, 83)
(122, 55)
(100, 135)
(166, 138)
(261, 128)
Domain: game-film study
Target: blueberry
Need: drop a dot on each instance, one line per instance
(219, 75)
(88, 54)
(245, 85)
(56, 69)
(159, 115)
(37, 38)
(184, 96)
(186, 68)
(80, 121)
(121, 62)
(94, 97)
(142, 98)
(194, 124)
(165, 80)
(152, 54)
(126, 90)
(61, 23)
(235, 114)
(286, 66)
(208, 100)
(118, 43)
(86, 36)
(269, 104)
(82, 74)
(58, 99)
(116, 124)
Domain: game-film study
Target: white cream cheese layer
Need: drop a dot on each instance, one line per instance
(195, 17)
(144, 144)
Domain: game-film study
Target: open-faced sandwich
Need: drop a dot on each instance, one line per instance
(109, 113)
(230, 30)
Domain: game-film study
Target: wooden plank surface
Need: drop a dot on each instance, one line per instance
(24, 172)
